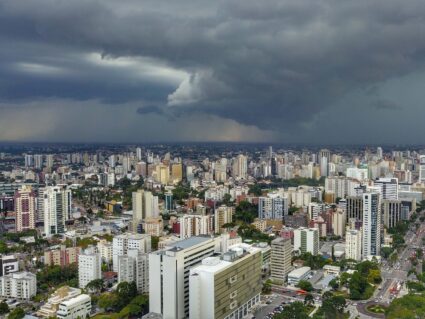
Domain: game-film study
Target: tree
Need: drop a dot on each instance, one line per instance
(308, 300)
(295, 310)
(16, 313)
(126, 292)
(374, 276)
(305, 285)
(4, 308)
(108, 301)
(246, 212)
(334, 284)
(267, 286)
(95, 285)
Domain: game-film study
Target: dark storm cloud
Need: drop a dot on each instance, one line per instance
(273, 64)
(385, 105)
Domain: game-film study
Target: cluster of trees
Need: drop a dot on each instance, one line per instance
(314, 262)
(246, 212)
(250, 232)
(361, 282)
(409, 306)
(54, 276)
(305, 285)
(398, 232)
(124, 301)
(332, 307)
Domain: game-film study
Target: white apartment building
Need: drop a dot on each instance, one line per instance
(306, 240)
(169, 275)
(227, 287)
(89, 267)
(57, 209)
(19, 285)
(50, 308)
(195, 225)
(77, 307)
(104, 248)
(122, 243)
(353, 244)
(135, 267)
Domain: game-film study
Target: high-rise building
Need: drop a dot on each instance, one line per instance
(38, 161)
(392, 212)
(274, 206)
(139, 153)
(240, 166)
(354, 206)
(19, 285)
(49, 160)
(306, 240)
(25, 208)
(57, 209)
(122, 243)
(138, 209)
(177, 172)
(422, 169)
(223, 215)
(169, 275)
(353, 244)
(371, 238)
(280, 260)
(388, 188)
(134, 267)
(195, 225)
(379, 152)
(153, 226)
(162, 173)
(29, 160)
(339, 219)
(226, 288)
(104, 248)
(89, 267)
(168, 201)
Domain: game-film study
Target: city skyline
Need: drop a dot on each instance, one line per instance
(134, 72)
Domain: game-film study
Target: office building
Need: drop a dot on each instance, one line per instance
(75, 308)
(89, 267)
(227, 287)
(371, 239)
(392, 212)
(122, 243)
(388, 187)
(306, 240)
(354, 206)
(280, 259)
(25, 208)
(296, 275)
(169, 275)
(57, 209)
(19, 285)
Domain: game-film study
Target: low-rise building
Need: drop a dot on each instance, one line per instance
(296, 275)
(50, 308)
(62, 256)
(77, 307)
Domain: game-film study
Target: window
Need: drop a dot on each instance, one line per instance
(233, 294)
(233, 279)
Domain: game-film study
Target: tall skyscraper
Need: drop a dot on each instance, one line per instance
(392, 212)
(168, 201)
(38, 161)
(240, 166)
(49, 160)
(371, 224)
(57, 209)
(29, 160)
(25, 208)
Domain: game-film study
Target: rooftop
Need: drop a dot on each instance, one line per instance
(190, 242)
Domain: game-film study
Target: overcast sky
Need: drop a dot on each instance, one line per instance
(320, 71)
